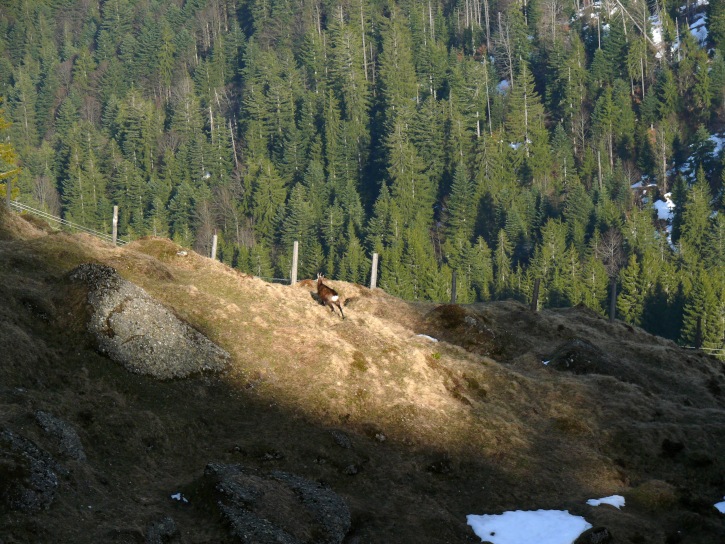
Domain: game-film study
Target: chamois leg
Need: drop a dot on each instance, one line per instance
(339, 307)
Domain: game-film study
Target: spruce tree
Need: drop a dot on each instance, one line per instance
(703, 307)
(181, 214)
(355, 266)
(503, 265)
(696, 216)
(716, 25)
(461, 209)
(479, 263)
(269, 196)
(631, 299)
(298, 226)
(411, 188)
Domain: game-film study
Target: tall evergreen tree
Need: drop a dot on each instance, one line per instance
(702, 321)
(695, 216)
(631, 299)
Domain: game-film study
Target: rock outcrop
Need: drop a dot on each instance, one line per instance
(141, 334)
(28, 474)
(277, 507)
(63, 432)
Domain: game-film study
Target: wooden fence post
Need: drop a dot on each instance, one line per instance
(295, 259)
(535, 296)
(213, 246)
(453, 287)
(115, 224)
(374, 272)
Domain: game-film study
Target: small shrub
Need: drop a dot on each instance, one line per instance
(653, 495)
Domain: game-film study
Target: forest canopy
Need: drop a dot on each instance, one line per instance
(503, 140)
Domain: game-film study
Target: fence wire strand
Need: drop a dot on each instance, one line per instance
(19, 206)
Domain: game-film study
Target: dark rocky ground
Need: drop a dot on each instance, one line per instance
(121, 435)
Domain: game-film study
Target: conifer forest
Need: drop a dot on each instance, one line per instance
(574, 142)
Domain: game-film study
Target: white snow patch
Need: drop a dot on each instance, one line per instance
(656, 29)
(719, 141)
(720, 506)
(179, 497)
(503, 86)
(540, 526)
(615, 500)
(699, 3)
(699, 29)
(545, 362)
(427, 337)
(665, 208)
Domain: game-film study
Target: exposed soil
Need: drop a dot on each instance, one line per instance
(411, 434)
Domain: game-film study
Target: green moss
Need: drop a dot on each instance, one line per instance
(653, 495)
(359, 362)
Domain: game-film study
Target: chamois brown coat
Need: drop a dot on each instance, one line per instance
(328, 296)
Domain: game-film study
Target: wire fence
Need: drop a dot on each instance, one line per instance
(709, 350)
(274, 280)
(20, 207)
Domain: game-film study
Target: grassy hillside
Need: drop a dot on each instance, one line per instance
(413, 434)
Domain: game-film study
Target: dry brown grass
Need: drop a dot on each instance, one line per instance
(475, 417)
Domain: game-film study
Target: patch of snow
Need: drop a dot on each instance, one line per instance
(699, 3)
(179, 497)
(427, 337)
(545, 362)
(665, 208)
(719, 141)
(503, 86)
(656, 29)
(517, 527)
(699, 29)
(720, 506)
(615, 500)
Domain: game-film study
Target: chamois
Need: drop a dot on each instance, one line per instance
(328, 296)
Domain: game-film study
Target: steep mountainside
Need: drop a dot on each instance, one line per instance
(363, 430)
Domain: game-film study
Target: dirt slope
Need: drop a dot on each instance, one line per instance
(412, 434)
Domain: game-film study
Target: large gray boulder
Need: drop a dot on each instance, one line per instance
(141, 334)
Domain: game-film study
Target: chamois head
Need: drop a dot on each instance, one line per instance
(328, 296)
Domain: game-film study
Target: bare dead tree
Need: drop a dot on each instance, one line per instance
(226, 208)
(610, 251)
(45, 192)
(504, 46)
(551, 17)
(205, 227)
